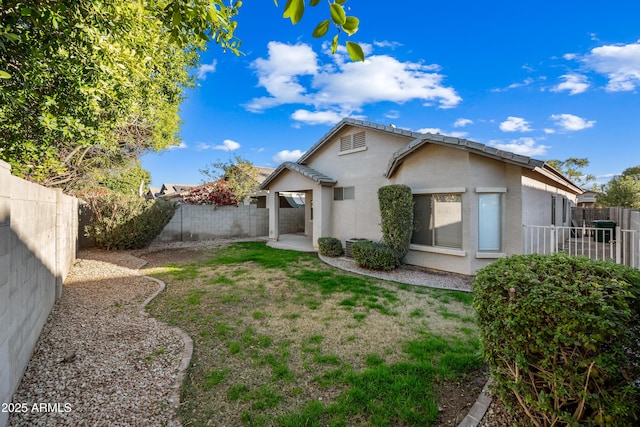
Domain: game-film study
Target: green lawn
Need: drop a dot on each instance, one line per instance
(282, 339)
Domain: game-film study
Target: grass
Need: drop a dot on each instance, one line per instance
(281, 339)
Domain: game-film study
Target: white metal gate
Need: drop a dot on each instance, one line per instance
(614, 244)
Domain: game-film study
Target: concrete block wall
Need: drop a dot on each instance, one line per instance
(202, 222)
(38, 235)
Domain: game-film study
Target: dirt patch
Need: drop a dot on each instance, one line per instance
(455, 398)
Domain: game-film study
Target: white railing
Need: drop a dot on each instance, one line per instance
(614, 244)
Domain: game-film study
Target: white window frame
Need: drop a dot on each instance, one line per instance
(344, 193)
(442, 249)
(492, 252)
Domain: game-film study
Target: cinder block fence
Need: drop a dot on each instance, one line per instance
(38, 238)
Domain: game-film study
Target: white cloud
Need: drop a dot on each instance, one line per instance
(571, 122)
(574, 83)
(515, 124)
(458, 134)
(227, 145)
(549, 131)
(525, 82)
(462, 123)
(205, 69)
(386, 43)
(293, 74)
(317, 117)
(179, 146)
(523, 146)
(287, 156)
(392, 114)
(620, 63)
(430, 130)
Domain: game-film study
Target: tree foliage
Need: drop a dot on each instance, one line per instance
(93, 84)
(239, 173)
(128, 178)
(337, 16)
(218, 193)
(572, 169)
(620, 191)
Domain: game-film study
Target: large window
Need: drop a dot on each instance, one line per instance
(437, 220)
(489, 222)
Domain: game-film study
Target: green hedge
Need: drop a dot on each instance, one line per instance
(561, 336)
(330, 246)
(374, 256)
(396, 215)
(121, 221)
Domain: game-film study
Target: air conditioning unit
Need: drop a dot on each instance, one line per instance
(349, 243)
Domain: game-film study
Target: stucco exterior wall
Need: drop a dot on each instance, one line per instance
(363, 170)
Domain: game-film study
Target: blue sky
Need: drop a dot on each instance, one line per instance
(547, 79)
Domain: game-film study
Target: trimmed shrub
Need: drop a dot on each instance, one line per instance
(330, 246)
(122, 221)
(396, 213)
(561, 336)
(375, 256)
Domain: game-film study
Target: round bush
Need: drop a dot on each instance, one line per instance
(375, 256)
(561, 335)
(125, 221)
(330, 246)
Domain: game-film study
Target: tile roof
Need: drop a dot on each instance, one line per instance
(303, 170)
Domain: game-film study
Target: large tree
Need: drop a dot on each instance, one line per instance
(572, 169)
(622, 190)
(94, 84)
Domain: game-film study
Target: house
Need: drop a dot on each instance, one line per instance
(587, 199)
(470, 200)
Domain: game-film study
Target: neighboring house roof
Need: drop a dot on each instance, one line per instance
(176, 188)
(301, 169)
(263, 173)
(418, 140)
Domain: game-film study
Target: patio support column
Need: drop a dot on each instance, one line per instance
(322, 207)
(273, 203)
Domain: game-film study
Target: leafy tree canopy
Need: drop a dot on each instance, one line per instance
(128, 178)
(240, 174)
(93, 84)
(572, 169)
(623, 190)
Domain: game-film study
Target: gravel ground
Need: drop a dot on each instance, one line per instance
(100, 360)
(407, 274)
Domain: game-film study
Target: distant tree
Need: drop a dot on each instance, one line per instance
(620, 191)
(632, 171)
(572, 169)
(240, 174)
